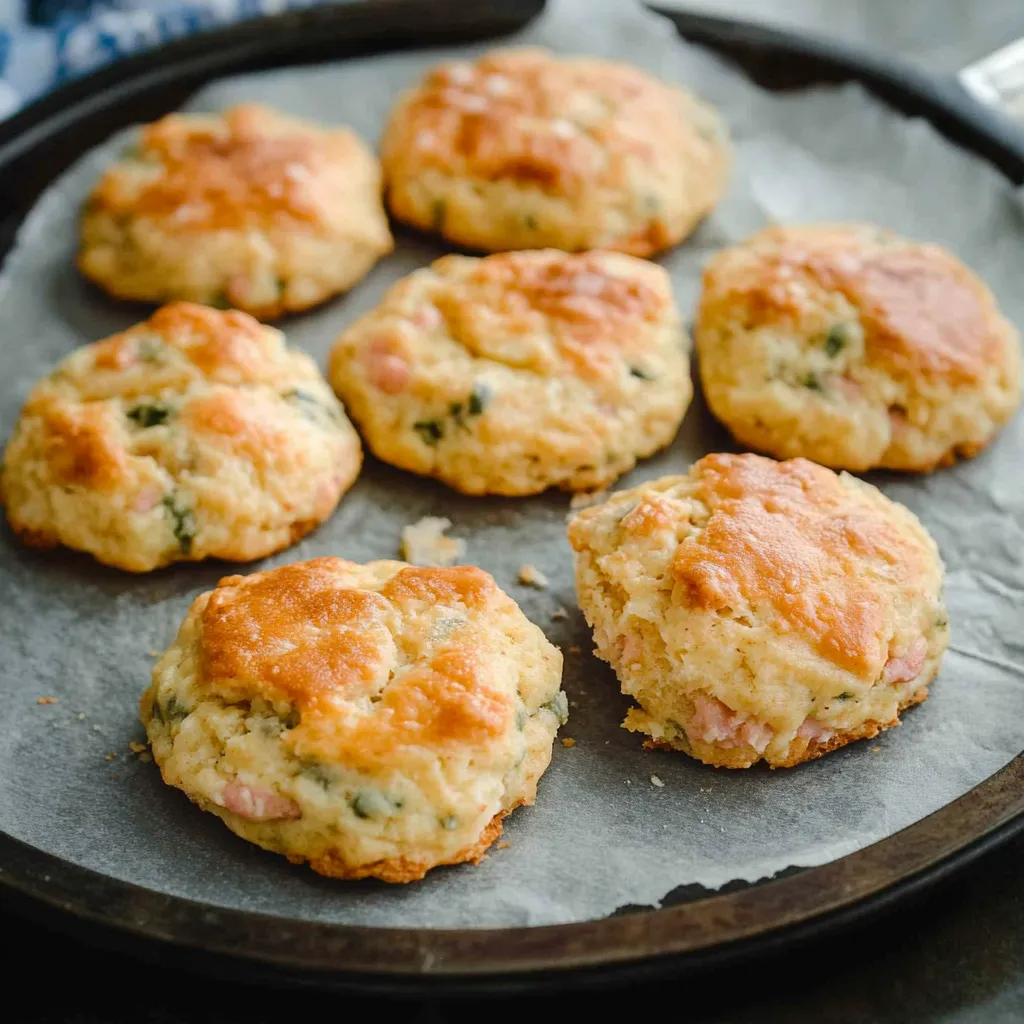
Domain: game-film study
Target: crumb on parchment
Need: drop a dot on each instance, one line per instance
(137, 748)
(531, 576)
(568, 741)
(559, 613)
(110, 756)
(574, 649)
(153, 653)
(655, 781)
(503, 845)
(424, 543)
(47, 700)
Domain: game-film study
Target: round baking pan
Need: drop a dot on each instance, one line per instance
(38, 143)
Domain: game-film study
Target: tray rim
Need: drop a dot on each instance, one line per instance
(694, 934)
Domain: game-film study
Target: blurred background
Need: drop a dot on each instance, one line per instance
(45, 42)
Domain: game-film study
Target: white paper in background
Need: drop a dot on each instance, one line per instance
(601, 835)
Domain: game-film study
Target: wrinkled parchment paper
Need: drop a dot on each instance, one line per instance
(601, 834)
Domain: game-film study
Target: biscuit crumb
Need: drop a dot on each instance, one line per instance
(503, 845)
(875, 750)
(146, 757)
(568, 742)
(581, 499)
(424, 543)
(154, 653)
(531, 576)
(574, 649)
(136, 748)
(559, 613)
(47, 700)
(111, 756)
(655, 781)
(81, 716)
(97, 727)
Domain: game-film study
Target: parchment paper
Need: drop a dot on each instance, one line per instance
(601, 834)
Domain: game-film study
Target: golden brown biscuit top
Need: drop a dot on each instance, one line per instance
(526, 116)
(792, 536)
(593, 306)
(921, 309)
(250, 166)
(338, 642)
(221, 379)
(179, 340)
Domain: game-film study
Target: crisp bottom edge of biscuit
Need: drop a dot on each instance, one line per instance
(955, 453)
(812, 750)
(265, 312)
(43, 540)
(406, 869)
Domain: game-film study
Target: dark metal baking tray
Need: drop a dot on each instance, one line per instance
(41, 141)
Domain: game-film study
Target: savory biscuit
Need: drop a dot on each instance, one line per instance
(519, 371)
(760, 609)
(372, 720)
(850, 346)
(248, 209)
(196, 433)
(525, 150)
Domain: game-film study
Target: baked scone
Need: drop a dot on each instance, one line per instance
(848, 345)
(248, 209)
(525, 150)
(519, 371)
(197, 433)
(759, 609)
(372, 720)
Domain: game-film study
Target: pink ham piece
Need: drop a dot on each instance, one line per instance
(427, 317)
(148, 498)
(902, 670)
(388, 372)
(255, 804)
(814, 732)
(715, 722)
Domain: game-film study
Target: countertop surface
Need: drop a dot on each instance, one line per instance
(954, 955)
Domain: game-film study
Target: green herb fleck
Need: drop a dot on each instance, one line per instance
(835, 340)
(292, 719)
(530, 222)
(449, 822)
(318, 773)
(170, 711)
(479, 398)
(652, 203)
(845, 695)
(219, 301)
(150, 350)
(311, 406)
(559, 707)
(371, 803)
(437, 212)
(941, 622)
(149, 415)
(641, 374)
(455, 411)
(812, 382)
(430, 431)
(520, 719)
(183, 523)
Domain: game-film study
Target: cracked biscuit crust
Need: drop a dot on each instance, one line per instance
(520, 371)
(524, 150)
(195, 434)
(850, 346)
(372, 720)
(248, 209)
(760, 609)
